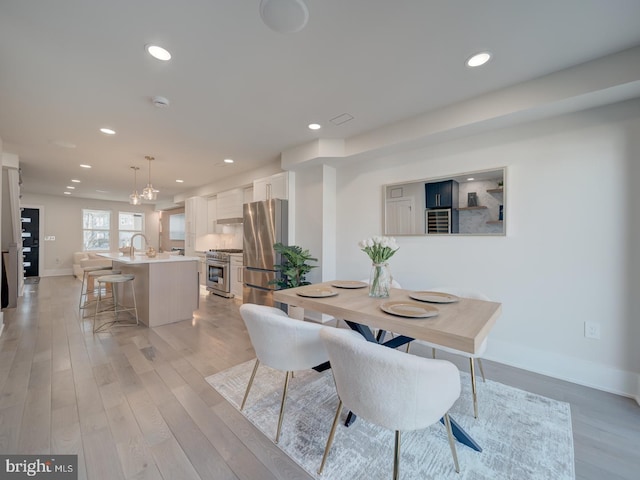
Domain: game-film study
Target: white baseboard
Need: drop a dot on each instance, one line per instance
(564, 367)
(60, 272)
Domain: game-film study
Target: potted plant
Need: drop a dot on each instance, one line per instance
(294, 266)
(293, 271)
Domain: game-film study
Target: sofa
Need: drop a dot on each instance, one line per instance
(87, 259)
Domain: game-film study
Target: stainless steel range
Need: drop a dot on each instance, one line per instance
(218, 264)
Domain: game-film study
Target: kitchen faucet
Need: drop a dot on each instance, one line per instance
(132, 249)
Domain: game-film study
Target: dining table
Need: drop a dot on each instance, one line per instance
(456, 322)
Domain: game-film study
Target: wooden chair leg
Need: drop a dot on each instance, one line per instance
(330, 439)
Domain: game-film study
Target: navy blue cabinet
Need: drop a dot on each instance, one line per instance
(442, 194)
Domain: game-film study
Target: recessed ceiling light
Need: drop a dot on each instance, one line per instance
(108, 131)
(315, 126)
(228, 160)
(102, 191)
(85, 166)
(67, 193)
(470, 179)
(179, 181)
(158, 52)
(70, 187)
(478, 59)
(75, 180)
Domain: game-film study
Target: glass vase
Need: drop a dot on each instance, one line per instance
(380, 280)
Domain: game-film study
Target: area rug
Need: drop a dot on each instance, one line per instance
(523, 435)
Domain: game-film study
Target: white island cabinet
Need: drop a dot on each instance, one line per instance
(166, 286)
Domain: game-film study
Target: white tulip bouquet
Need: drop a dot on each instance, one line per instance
(379, 249)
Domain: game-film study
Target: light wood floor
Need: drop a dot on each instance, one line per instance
(133, 403)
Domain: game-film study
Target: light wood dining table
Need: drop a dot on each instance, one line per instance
(462, 325)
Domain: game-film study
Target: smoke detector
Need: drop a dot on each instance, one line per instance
(160, 102)
(284, 16)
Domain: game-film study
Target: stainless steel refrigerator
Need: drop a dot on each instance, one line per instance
(264, 223)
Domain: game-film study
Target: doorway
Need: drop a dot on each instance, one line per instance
(400, 218)
(30, 218)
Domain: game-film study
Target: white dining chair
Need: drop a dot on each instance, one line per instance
(282, 343)
(473, 357)
(390, 388)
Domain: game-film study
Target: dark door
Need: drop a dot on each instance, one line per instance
(30, 241)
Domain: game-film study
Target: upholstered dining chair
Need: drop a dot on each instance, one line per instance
(281, 343)
(471, 356)
(390, 388)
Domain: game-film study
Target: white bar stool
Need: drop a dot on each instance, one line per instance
(116, 308)
(89, 289)
(83, 288)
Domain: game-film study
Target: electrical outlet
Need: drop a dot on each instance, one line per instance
(592, 330)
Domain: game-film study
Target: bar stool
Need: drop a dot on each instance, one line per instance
(84, 287)
(116, 308)
(89, 288)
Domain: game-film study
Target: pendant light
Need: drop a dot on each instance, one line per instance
(149, 193)
(135, 198)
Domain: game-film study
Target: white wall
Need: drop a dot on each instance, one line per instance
(62, 218)
(570, 254)
(309, 219)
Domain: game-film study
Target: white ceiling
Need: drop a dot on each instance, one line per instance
(239, 90)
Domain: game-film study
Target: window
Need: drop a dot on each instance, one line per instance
(130, 223)
(95, 230)
(176, 226)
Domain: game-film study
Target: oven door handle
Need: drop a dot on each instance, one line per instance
(216, 263)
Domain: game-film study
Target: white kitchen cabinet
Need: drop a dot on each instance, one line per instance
(212, 215)
(275, 186)
(229, 204)
(195, 224)
(248, 195)
(235, 279)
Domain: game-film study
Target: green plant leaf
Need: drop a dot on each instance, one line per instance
(294, 267)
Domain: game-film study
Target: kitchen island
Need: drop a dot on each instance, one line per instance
(167, 288)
